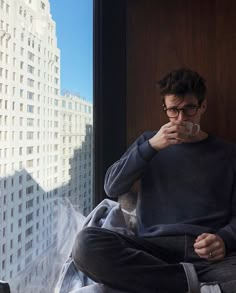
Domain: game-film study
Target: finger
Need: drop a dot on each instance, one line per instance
(213, 249)
(209, 251)
(202, 236)
(175, 141)
(174, 123)
(204, 252)
(213, 256)
(205, 242)
(216, 255)
(176, 128)
(168, 125)
(206, 256)
(176, 135)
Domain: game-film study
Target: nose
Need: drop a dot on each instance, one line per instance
(181, 116)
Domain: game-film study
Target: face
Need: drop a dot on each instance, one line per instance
(171, 101)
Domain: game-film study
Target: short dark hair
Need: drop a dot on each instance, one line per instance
(183, 82)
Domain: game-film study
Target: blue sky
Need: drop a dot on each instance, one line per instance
(74, 31)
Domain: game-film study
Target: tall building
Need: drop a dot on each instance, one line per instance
(45, 141)
(29, 131)
(77, 151)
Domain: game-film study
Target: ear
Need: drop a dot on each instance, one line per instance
(204, 106)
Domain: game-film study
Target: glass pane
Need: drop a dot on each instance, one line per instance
(46, 136)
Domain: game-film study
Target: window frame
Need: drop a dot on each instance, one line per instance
(109, 84)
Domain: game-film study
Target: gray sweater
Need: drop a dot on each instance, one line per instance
(188, 188)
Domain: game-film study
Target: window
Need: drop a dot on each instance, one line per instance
(31, 135)
(20, 193)
(30, 122)
(29, 244)
(30, 69)
(29, 231)
(30, 108)
(28, 177)
(30, 95)
(29, 150)
(30, 56)
(29, 204)
(29, 190)
(42, 5)
(20, 208)
(30, 82)
(21, 119)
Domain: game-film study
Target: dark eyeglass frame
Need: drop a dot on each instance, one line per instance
(184, 109)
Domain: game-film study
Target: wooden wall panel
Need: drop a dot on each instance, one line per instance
(165, 35)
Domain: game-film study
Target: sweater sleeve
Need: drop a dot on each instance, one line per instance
(122, 174)
(228, 232)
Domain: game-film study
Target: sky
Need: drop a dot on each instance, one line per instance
(74, 30)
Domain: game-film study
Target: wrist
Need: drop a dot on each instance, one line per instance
(153, 144)
(146, 151)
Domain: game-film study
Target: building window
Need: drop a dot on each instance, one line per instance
(29, 150)
(30, 56)
(30, 108)
(29, 218)
(29, 164)
(42, 5)
(30, 95)
(30, 122)
(30, 69)
(30, 82)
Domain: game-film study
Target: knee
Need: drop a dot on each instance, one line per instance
(82, 246)
(89, 246)
(94, 247)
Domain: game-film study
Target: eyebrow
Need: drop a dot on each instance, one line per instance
(187, 105)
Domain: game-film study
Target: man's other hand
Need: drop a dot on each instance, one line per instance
(210, 246)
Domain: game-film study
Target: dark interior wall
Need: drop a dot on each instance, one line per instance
(165, 35)
(135, 43)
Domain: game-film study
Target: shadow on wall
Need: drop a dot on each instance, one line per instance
(38, 227)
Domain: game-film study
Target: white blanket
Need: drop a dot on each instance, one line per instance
(109, 215)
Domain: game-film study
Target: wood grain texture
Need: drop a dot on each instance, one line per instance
(165, 35)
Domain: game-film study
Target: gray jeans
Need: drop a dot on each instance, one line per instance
(224, 271)
(149, 265)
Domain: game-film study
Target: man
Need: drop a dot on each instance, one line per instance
(186, 209)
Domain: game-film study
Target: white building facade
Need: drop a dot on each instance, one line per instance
(43, 139)
(77, 152)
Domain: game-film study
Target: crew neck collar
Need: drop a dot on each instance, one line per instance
(198, 142)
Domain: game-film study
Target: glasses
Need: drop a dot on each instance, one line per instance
(189, 111)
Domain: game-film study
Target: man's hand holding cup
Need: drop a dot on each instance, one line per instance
(174, 132)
